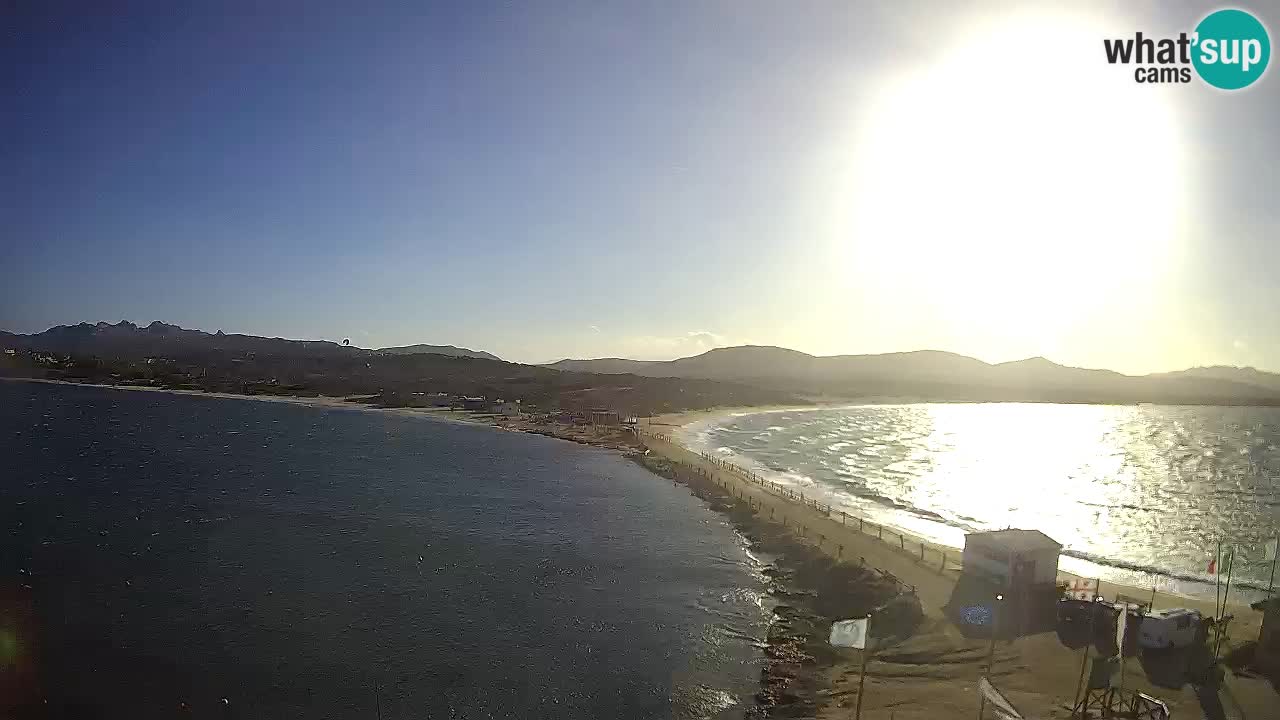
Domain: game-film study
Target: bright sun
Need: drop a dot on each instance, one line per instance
(1015, 183)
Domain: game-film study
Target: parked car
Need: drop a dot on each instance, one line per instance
(1172, 628)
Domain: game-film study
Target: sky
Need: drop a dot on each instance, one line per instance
(649, 180)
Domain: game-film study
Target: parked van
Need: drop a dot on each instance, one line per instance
(1173, 628)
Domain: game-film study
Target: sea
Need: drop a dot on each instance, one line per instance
(179, 556)
(1141, 495)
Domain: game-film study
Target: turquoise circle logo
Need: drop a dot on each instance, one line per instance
(1232, 49)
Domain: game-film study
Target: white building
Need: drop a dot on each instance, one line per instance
(1012, 558)
(509, 408)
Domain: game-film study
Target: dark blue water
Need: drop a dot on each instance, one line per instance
(162, 553)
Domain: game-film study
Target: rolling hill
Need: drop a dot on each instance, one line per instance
(159, 338)
(162, 355)
(937, 375)
(449, 350)
(742, 375)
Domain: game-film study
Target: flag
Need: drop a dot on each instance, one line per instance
(850, 633)
(1269, 550)
(1004, 710)
(1222, 563)
(1121, 623)
(1083, 588)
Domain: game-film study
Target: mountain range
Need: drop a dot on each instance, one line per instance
(905, 376)
(938, 375)
(168, 356)
(159, 338)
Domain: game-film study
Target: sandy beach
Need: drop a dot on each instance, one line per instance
(939, 668)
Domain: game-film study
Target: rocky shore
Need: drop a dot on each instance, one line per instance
(811, 590)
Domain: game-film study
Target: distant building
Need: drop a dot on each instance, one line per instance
(1012, 558)
(605, 417)
(1267, 653)
(472, 403)
(509, 408)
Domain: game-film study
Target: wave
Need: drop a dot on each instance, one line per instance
(1131, 471)
(887, 501)
(1158, 570)
(1121, 506)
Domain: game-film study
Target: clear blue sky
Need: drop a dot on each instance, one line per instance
(545, 180)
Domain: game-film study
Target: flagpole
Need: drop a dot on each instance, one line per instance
(1217, 573)
(991, 652)
(1124, 618)
(1275, 553)
(1084, 661)
(862, 677)
(1230, 568)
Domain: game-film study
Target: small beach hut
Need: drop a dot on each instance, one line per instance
(1013, 558)
(1019, 566)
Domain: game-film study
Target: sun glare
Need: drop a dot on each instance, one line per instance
(1013, 185)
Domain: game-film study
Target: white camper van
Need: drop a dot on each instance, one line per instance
(1172, 628)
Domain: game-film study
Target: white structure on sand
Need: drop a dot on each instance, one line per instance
(1012, 558)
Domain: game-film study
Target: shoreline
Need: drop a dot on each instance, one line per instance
(677, 420)
(603, 439)
(938, 667)
(931, 673)
(1111, 586)
(672, 421)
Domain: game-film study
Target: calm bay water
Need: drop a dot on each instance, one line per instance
(1138, 494)
(162, 550)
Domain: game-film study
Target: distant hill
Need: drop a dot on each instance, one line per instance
(924, 375)
(1247, 375)
(937, 375)
(611, 366)
(162, 355)
(438, 350)
(159, 338)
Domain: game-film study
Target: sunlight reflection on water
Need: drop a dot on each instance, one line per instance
(1139, 489)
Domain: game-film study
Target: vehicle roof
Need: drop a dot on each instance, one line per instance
(1173, 612)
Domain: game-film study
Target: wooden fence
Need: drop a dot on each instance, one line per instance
(920, 550)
